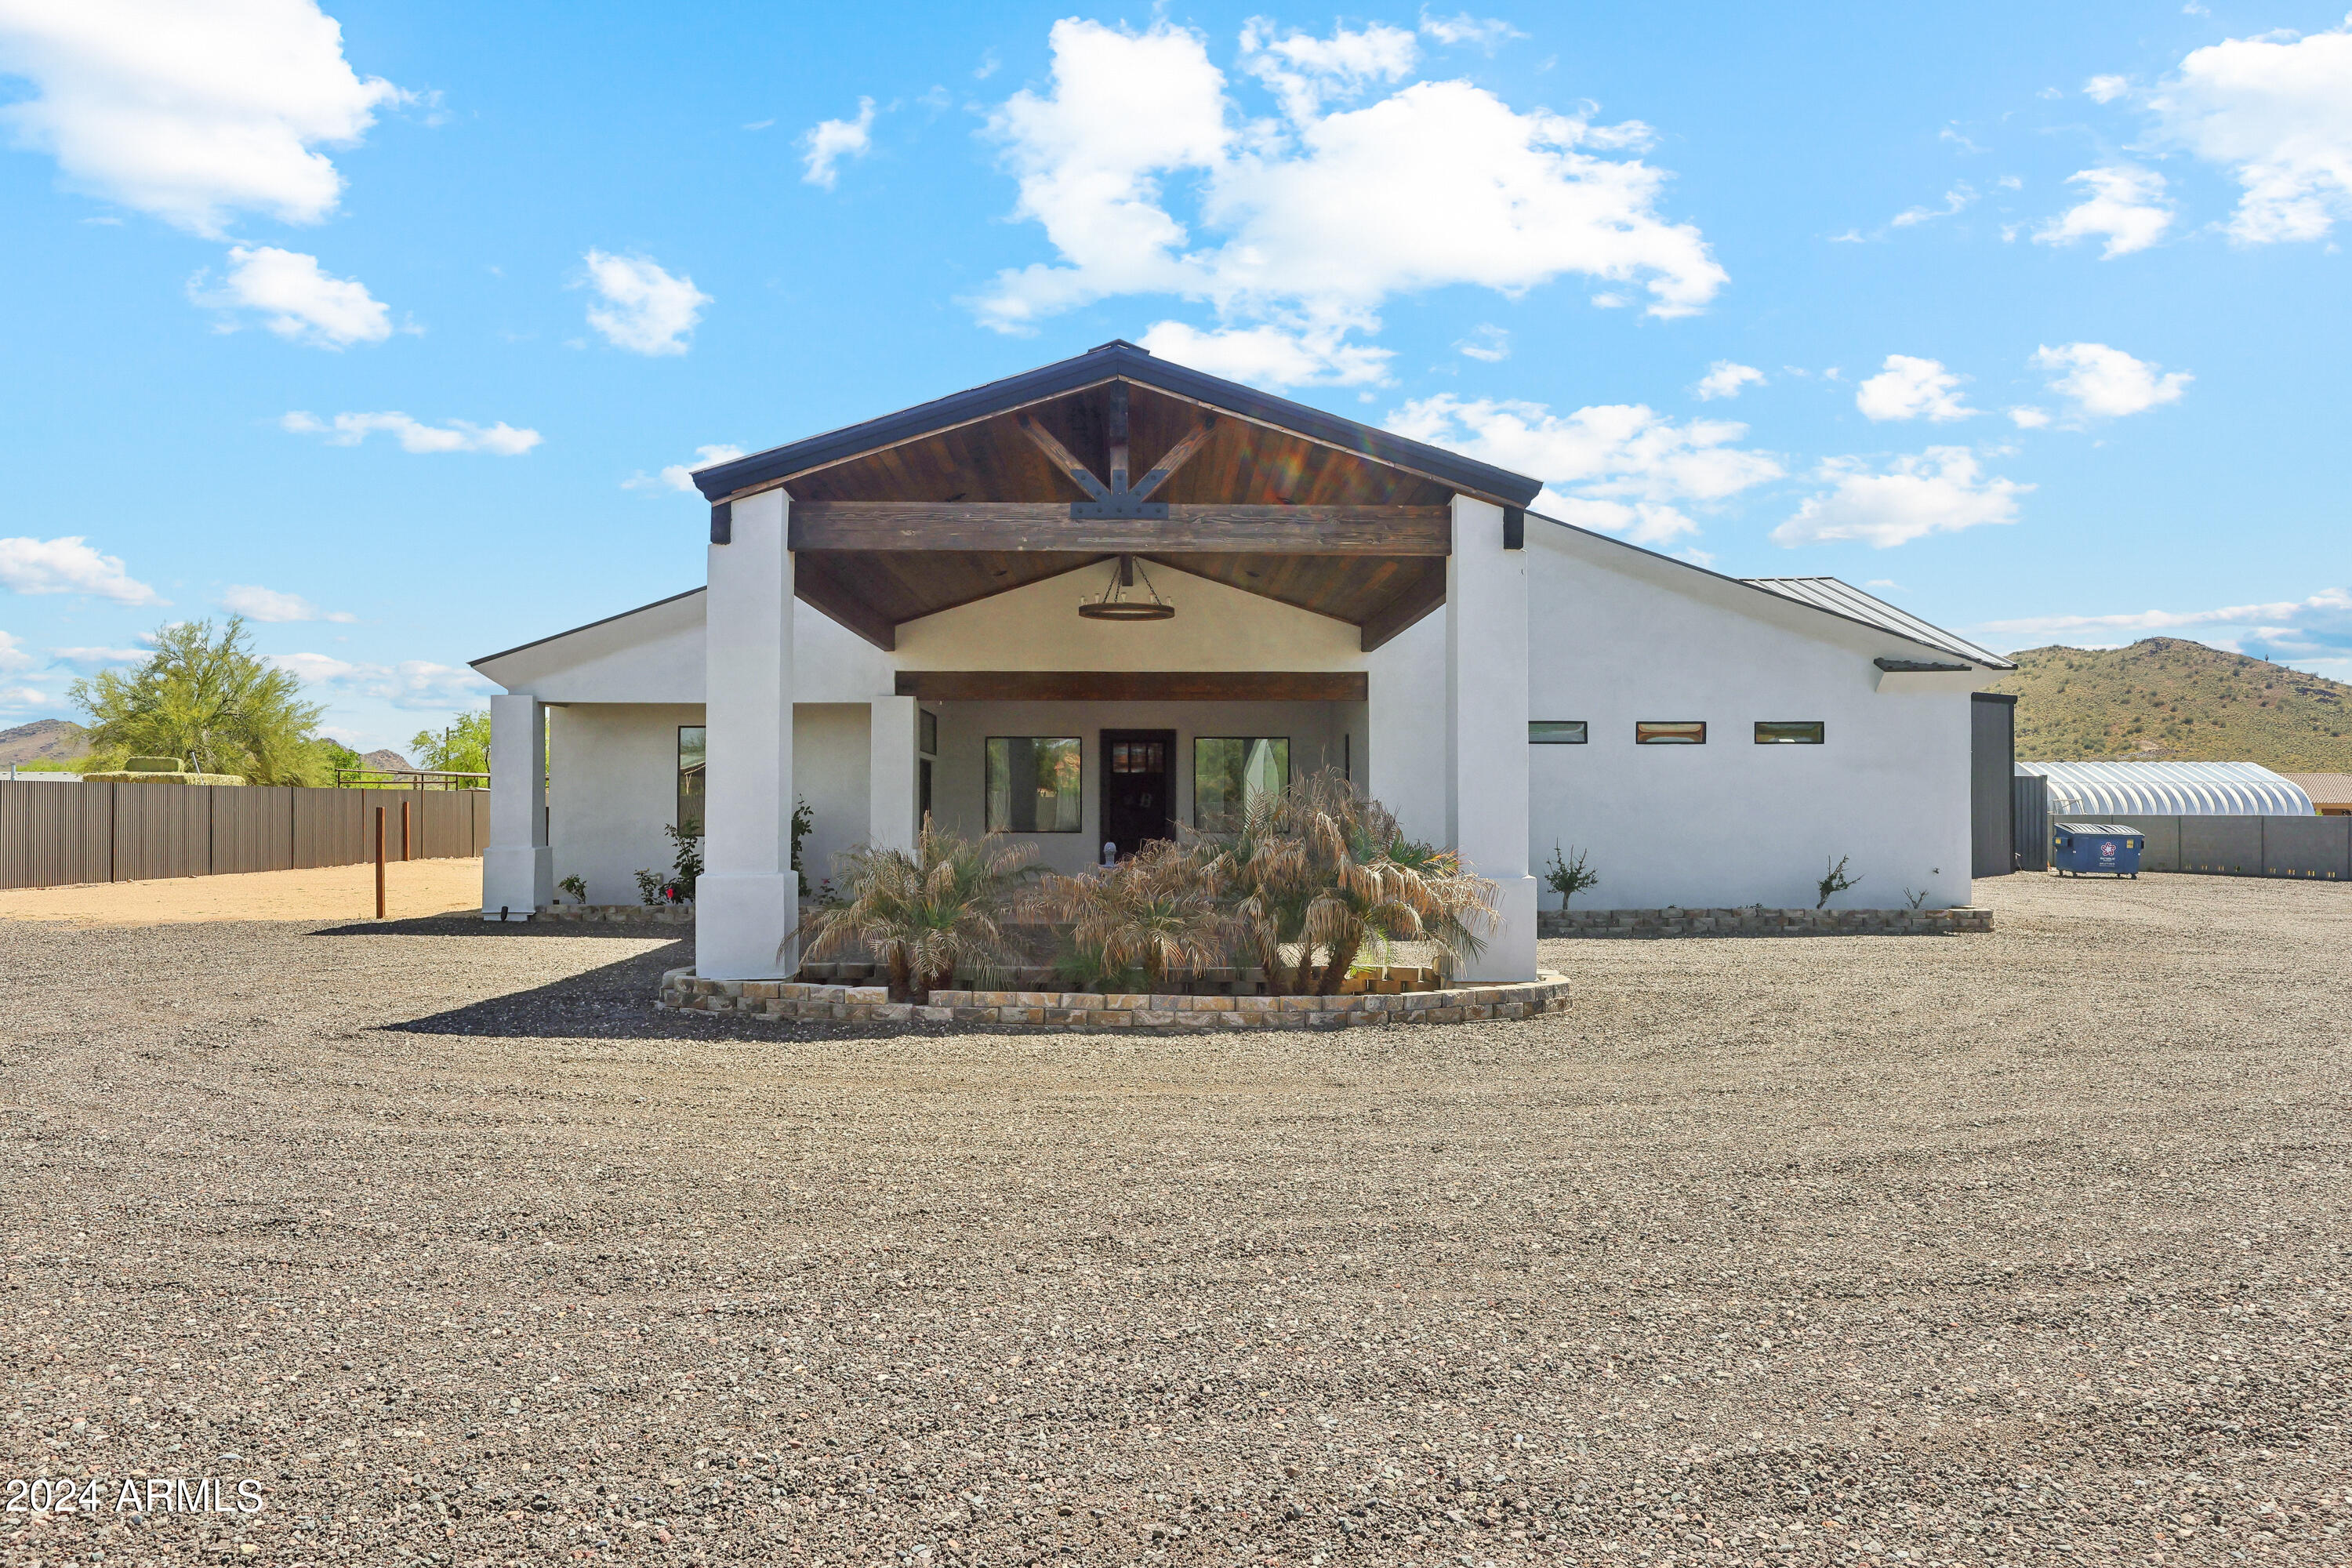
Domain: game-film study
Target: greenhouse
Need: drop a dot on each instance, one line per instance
(2094, 791)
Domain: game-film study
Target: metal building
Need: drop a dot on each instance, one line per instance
(2100, 792)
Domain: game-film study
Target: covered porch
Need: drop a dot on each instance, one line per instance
(1302, 593)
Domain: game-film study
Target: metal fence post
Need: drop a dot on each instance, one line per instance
(379, 862)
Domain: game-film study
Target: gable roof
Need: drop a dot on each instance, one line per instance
(1116, 360)
(1841, 598)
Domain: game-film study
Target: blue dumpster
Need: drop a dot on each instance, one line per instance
(2095, 847)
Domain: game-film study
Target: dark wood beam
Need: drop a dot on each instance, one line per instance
(818, 590)
(1011, 526)
(1133, 686)
(1177, 456)
(1118, 434)
(1403, 612)
(1061, 458)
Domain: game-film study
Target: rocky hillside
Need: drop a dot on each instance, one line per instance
(42, 741)
(2166, 699)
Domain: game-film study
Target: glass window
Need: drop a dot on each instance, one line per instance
(1231, 771)
(1033, 784)
(1670, 733)
(1556, 732)
(1789, 732)
(929, 743)
(689, 775)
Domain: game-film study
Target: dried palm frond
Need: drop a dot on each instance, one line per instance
(930, 915)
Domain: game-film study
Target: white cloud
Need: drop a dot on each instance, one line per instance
(298, 299)
(681, 476)
(1298, 209)
(2126, 207)
(2276, 111)
(1287, 354)
(1302, 70)
(190, 112)
(99, 657)
(258, 603)
(1941, 490)
(2026, 417)
(22, 699)
(1621, 468)
(1486, 342)
(69, 566)
(413, 683)
(13, 657)
(1955, 199)
(2108, 383)
(1724, 379)
(2106, 89)
(1463, 29)
(1912, 388)
(644, 310)
(457, 435)
(831, 141)
(2326, 603)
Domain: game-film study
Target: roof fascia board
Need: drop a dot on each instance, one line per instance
(765, 470)
(1751, 588)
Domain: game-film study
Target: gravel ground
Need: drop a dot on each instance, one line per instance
(2027, 1247)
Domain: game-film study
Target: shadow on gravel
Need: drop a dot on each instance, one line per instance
(611, 1000)
(464, 922)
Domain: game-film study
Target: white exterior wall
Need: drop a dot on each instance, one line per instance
(612, 789)
(1619, 636)
(830, 747)
(1216, 628)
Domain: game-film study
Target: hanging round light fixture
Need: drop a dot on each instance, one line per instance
(1115, 605)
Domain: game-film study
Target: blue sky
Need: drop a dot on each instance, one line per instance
(395, 326)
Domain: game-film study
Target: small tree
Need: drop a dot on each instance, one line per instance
(462, 748)
(208, 698)
(1569, 878)
(1833, 883)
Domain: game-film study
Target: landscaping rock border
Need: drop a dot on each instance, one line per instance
(657, 914)
(1754, 921)
(683, 991)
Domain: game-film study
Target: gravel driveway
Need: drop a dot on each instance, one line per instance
(1852, 1250)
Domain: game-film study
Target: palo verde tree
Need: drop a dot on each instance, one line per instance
(463, 748)
(207, 698)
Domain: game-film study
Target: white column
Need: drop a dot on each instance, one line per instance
(747, 904)
(891, 741)
(518, 867)
(1486, 710)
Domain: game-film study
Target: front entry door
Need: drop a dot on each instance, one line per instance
(1138, 798)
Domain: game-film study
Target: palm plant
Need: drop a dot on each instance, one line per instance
(1150, 915)
(1318, 869)
(931, 914)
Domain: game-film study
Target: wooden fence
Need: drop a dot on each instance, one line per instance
(53, 834)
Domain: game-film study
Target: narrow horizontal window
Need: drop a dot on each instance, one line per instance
(1556, 732)
(1670, 733)
(1789, 732)
(1230, 772)
(1034, 783)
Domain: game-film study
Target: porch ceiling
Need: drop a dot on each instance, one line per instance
(1341, 533)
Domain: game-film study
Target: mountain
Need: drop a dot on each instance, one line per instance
(42, 741)
(389, 761)
(2164, 699)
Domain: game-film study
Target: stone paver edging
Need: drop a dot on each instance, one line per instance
(1753, 921)
(657, 914)
(683, 991)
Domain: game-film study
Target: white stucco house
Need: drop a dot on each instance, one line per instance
(906, 616)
